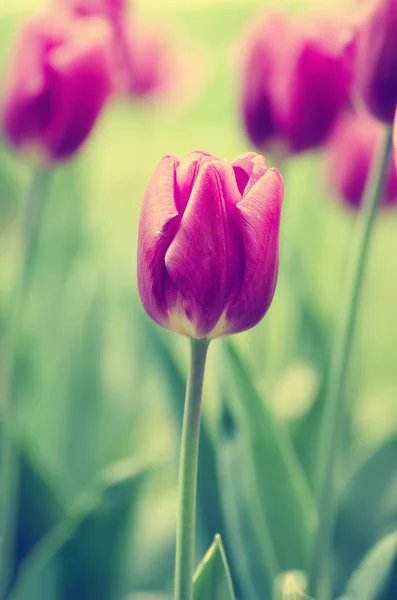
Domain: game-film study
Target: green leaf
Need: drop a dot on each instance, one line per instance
(93, 559)
(376, 577)
(360, 504)
(212, 578)
(278, 485)
(250, 566)
(84, 390)
(39, 506)
(88, 545)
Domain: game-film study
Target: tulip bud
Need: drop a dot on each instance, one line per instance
(376, 64)
(57, 83)
(352, 147)
(292, 92)
(208, 243)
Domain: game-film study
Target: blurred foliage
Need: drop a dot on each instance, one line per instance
(97, 383)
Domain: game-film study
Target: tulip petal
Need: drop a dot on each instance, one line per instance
(157, 226)
(260, 212)
(376, 65)
(186, 175)
(80, 68)
(27, 105)
(258, 110)
(196, 260)
(317, 91)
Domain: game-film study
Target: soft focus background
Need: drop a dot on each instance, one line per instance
(98, 383)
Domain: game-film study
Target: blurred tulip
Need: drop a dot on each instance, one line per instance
(147, 65)
(115, 10)
(152, 66)
(208, 243)
(376, 65)
(148, 68)
(57, 83)
(352, 146)
(296, 76)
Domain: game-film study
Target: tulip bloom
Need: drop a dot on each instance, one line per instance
(295, 79)
(57, 83)
(352, 147)
(148, 63)
(208, 243)
(376, 65)
(154, 66)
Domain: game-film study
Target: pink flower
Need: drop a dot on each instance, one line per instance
(352, 146)
(208, 243)
(114, 10)
(295, 79)
(148, 69)
(153, 66)
(58, 81)
(376, 67)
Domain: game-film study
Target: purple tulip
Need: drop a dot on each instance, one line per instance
(376, 65)
(351, 147)
(296, 76)
(57, 83)
(208, 243)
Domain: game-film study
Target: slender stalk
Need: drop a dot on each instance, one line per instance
(334, 410)
(8, 460)
(185, 535)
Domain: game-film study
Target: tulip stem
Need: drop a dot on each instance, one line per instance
(185, 536)
(35, 202)
(334, 409)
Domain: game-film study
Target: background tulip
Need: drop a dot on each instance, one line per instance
(150, 67)
(292, 92)
(395, 138)
(352, 146)
(208, 243)
(376, 65)
(154, 67)
(57, 83)
(112, 9)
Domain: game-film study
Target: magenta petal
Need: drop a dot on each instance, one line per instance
(260, 212)
(317, 92)
(157, 226)
(351, 149)
(186, 175)
(81, 84)
(376, 62)
(196, 260)
(26, 104)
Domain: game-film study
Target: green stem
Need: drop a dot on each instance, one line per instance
(185, 536)
(334, 410)
(8, 460)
